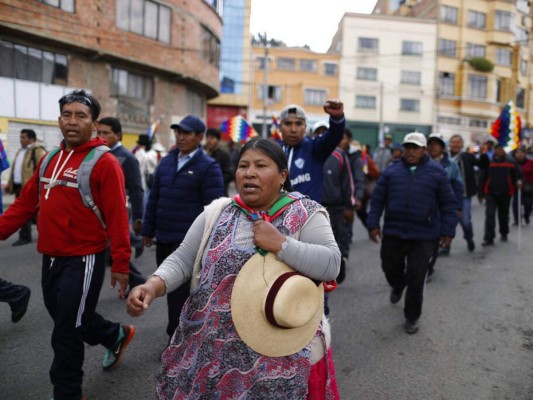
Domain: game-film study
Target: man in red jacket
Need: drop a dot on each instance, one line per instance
(72, 240)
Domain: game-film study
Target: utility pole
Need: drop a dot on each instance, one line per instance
(381, 125)
(263, 38)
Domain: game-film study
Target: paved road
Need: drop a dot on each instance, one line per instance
(475, 339)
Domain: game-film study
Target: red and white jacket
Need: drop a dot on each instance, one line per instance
(66, 227)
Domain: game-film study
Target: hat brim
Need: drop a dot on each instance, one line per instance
(415, 143)
(183, 127)
(247, 303)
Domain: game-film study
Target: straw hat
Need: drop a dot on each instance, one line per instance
(267, 289)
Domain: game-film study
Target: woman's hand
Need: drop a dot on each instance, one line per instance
(267, 237)
(142, 296)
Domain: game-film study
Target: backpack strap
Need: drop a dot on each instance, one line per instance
(340, 158)
(84, 179)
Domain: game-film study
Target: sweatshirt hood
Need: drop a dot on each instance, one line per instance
(94, 142)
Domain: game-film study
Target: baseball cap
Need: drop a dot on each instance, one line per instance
(415, 138)
(437, 136)
(320, 124)
(387, 136)
(292, 110)
(190, 123)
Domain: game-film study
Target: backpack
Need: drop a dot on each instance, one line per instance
(84, 177)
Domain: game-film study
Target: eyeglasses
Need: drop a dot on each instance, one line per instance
(70, 98)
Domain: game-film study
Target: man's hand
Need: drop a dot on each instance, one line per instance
(147, 241)
(122, 280)
(347, 215)
(445, 241)
(519, 184)
(137, 226)
(357, 204)
(335, 108)
(375, 235)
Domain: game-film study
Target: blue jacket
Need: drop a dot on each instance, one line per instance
(306, 160)
(178, 197)
(418, 206)
(456, 180)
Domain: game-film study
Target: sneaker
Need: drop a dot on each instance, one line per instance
(396, 295)
(471, 245)
(487, 243)
(504, 238)
(411, 327)
(113, 356)
(19, 308)
(444, 251)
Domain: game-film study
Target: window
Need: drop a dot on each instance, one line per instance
(503, 21)
(477, 86)
(29, 63)
(411, 48)
(503, 57)
(65, 5)
(367, 74)
(261, 62)
(210, 47)
(521, 35)
(412, 105)
(447, 48)
(478, 123)
(368, 45)
(411, 77)
(217, 5)
(477, 19)
(194, 103)
(144, 17)
(273, 93)
(365, 102)
(449, 120)
(308, 65)
(520, 97)
(330, 69)
(523, 66)
(499, 85)
(314, 97)
(446, 84)
(286, 63)
(448, 14)
(227, 85)
(127, 84)
(475, 50)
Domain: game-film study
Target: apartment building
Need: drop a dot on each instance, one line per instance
(144, 60)
(387, 74)
(483, 60)
(235, 65)
(287, 75)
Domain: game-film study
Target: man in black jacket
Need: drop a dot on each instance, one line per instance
(110, 129)
(499, 183)
(212, 139)
(466, 162)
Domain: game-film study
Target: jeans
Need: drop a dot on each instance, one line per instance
(466, 220)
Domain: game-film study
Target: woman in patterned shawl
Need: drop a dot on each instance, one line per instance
(206, 358)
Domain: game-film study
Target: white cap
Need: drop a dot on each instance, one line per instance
(415, 138)
(320, 124)
(437, 136)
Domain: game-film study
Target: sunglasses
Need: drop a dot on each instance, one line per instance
(70, 98)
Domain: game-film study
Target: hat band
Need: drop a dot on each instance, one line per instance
(273, 292)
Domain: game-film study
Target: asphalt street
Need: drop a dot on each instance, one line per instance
(475, 339)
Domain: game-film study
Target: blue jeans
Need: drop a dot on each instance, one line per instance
(466, 220)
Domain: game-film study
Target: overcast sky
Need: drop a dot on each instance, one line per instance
(301, 22)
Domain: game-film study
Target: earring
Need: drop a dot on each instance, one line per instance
(282, 189)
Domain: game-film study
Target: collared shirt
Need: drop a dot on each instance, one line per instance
(183, 159)
(116, 146)
(17, 172)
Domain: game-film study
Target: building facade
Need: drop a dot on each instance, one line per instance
(144, 60)
(291, 76)
(235, 65)
(483, 60)
(387, 74)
